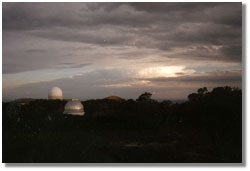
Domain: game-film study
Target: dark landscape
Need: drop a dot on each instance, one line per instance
(207, 128)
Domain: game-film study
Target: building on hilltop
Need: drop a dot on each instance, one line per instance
(116, 98)
(55, 93)
(74, 107)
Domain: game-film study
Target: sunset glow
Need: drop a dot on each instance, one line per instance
(94, 50)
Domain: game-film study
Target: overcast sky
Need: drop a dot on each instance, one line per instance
(94, 50)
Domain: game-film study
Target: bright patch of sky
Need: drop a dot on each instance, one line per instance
(93, 50)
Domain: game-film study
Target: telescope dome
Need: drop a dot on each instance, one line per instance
(55, 93)
(74, 107)
(115, 98)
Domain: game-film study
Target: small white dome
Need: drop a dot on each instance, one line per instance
(74, 107)
(55, 93)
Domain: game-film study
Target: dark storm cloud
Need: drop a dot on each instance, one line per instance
(223, 13)
(233, 51)
(187, 30)
(94, 50)
(72, 65)
(162, 8)
(37, 15)
(88, 37)
(28, 16)
(36, 51)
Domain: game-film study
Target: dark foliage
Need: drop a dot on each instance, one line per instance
(145, 97)
(207, 128)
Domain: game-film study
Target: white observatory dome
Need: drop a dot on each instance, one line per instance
(74, 107)
(55, 93)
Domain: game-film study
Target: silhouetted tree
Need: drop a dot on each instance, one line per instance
(202, 91)
(145, 97)
(40, 132)
(192, 97)
(167, 102)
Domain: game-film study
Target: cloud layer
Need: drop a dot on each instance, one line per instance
(126, 38)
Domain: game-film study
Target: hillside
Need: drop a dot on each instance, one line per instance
(206, 128)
